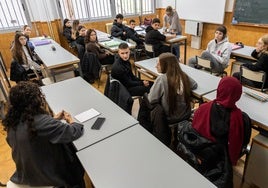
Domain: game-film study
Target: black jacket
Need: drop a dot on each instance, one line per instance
(132, 34)
(118, 29)
(90, 66)
(17, 72)
(121, 70)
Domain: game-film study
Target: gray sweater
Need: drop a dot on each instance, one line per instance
(47, 159)
(159, 92)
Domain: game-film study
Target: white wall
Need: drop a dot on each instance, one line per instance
(165, 3)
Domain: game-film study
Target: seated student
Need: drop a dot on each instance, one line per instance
(261, 54)
(22, 54)
(223, 123)
(92, 45)
(118, 29)
(27, 32)
(80, 39)
(172, 90)
(121, 70)
(41, 144)
(218, 51)
(132, 34)
(67, 32)
(155, 38)
(75, 26)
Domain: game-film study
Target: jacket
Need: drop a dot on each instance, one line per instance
(115, 91)
(17, 72)
(48, 159)
(90, 66)
(118, 29)
(132, 34)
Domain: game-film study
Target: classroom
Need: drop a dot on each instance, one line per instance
(134, 93)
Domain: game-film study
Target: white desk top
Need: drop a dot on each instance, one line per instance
(134, 158)
(75, 96)
(243, 52)
(256, 110)
(206, 82)
(54, 59)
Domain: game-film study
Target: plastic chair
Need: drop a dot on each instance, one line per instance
(256, 76)
(206, 65)
(108, 27)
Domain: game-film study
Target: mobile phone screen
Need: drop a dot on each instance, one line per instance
(98, 123)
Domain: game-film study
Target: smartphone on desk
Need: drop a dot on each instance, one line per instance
(98, 123)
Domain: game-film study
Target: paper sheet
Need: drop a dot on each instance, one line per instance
(86, 115)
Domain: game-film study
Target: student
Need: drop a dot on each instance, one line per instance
(172, 89)
(155, 38)
(27, 32)
(67, 32)
(220, 119)
(121, 70)
(118, 29)
(132, 34)
(218, 51)
(41, 144)
(22, 55)
(81, 37)
(172, 24)
(92, 45)
(75, 26)
(261, 54)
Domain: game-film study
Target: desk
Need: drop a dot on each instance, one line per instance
(177, 40)
(243, 52)
(206, 82)
(114, 48)
(53, 60)
(75, 96)
(135, 158)
(256, 110)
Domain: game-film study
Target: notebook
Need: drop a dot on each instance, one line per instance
(235, 47)
(257, 95)
(86, 115)
(103, 39)
(112, 43)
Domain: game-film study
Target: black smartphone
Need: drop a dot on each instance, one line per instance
(98, 123)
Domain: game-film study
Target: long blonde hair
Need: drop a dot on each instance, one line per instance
(264, 39)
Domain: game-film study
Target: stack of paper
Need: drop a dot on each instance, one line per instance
(89, 114)
(112, 43)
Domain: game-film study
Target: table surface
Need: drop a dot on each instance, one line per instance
(256, 110)
(54, 59)
(244, 52)
(206, 82)
(76, 96)
(135, 158)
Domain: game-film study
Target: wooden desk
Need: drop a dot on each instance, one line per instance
(256, 110)
(76, 96)
(54, 60)
(206, 82)
(179, 39)
(135, 158)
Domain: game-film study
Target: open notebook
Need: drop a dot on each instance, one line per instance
(257, 95)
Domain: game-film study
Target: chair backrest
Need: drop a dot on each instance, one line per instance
(203, 62)
(131, 41)
(108, 27)
(257, 76)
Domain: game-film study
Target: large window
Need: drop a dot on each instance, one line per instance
(103, 9)
(12, 14)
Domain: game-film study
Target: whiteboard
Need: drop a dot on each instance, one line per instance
(209, 11)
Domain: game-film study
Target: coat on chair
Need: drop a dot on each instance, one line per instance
(90, 66)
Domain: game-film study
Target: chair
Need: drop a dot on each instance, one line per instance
(256, 76)
(108, 27)
(149, 50)
(90, 66)
(106, 69)
(135, 50)
(204, 63)
(81, 52)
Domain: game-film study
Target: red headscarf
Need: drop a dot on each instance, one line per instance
(228, 93)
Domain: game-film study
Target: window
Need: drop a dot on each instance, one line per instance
(103, 9)
(12, 14)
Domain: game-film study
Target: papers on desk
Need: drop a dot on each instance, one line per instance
(89, 114)
(103, 39)
(257, 95)
(235, 46)
(41, 42)
(111, 43)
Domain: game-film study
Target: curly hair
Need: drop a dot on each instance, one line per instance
(26, 100)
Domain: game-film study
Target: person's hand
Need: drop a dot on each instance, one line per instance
(68, 118)
(146, 83)
(59, 115)
(124, 33)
